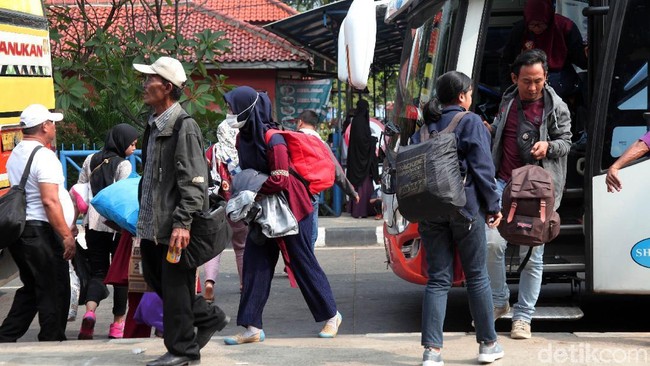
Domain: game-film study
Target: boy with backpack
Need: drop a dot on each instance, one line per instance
(533, 126)
(308, 124)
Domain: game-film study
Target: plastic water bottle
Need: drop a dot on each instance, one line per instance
(233, 167)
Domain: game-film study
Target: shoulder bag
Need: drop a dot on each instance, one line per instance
(13, 206)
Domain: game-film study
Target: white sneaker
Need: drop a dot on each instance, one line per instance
(489, 354)
(432, 358)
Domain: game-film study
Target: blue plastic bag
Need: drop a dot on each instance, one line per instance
(119, 203)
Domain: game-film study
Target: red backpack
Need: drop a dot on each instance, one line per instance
(310, 158)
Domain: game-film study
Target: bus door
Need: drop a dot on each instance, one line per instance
(617, 227)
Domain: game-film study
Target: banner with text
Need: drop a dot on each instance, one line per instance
(294, 96)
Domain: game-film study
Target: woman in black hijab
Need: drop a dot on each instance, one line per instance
(100, 170)
(362, 160)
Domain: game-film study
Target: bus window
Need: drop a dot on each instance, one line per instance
(629, 89)
(424, 58)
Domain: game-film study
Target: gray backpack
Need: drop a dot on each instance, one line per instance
(428, 180)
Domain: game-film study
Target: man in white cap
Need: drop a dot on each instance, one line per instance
(47, 242)
(173, 187)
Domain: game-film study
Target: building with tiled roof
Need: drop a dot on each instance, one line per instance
(255, 58)
(257, 12)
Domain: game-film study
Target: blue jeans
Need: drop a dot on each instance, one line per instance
(530, 280)
(439, 237)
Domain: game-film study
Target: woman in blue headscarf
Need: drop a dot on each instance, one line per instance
(250, 111)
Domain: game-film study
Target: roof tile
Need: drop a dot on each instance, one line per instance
(249, 43)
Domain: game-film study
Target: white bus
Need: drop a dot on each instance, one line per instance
(604, 245)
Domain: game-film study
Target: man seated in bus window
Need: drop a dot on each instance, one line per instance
(545, 110)
(637, 150)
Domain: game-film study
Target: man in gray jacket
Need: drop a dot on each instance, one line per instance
(173, 188)
(533, 126)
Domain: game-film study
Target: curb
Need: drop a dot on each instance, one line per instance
(349, 236)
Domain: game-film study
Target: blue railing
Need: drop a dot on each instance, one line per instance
(65, 156)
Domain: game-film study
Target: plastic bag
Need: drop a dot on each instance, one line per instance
(118, 202)
(75, 288)
(150, 311)
(81, 192)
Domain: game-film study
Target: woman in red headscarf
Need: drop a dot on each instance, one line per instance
(554, 34)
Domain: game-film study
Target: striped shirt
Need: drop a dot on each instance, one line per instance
(145, 226)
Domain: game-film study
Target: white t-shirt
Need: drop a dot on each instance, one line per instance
(46, 168)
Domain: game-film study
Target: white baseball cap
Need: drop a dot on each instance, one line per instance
(36, 114)
(168, 68)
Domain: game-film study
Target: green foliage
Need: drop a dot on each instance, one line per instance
(95, 83)
(304, 5)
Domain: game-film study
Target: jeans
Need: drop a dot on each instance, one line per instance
(530, 280)
(439, 237)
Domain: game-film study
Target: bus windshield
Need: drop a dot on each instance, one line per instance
(424, 56)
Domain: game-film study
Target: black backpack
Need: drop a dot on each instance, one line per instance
(428, 181)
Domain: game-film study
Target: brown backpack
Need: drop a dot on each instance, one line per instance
(528, 203)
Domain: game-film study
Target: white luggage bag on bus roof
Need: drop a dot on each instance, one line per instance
(356, 47)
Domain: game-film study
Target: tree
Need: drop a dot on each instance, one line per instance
(303, 5)
(95, 48)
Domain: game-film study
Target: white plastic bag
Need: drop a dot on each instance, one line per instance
(75, 288)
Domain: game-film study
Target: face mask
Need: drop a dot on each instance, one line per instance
(232, 119)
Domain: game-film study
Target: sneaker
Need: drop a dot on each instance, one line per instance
(330, 330)
(432, 358)
(241, 338)
(501, 311)
(87, 326)
(116, 331)
(489, 354)
(520, 330)
(498, 312)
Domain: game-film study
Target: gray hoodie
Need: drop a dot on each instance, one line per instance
(555, 128)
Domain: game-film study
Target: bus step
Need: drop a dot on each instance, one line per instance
(553, 313)
(571, 229)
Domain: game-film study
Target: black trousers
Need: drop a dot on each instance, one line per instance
(46, 285)
(183, 309)
(101, 248)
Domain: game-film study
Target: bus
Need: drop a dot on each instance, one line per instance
(604, 243)
(25, 78)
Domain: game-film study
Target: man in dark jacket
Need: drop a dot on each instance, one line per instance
(172, 189)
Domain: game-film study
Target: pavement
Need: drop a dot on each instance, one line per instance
(349, 350)
(381, 321)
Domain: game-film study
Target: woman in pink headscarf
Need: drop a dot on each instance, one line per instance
(557, 36)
